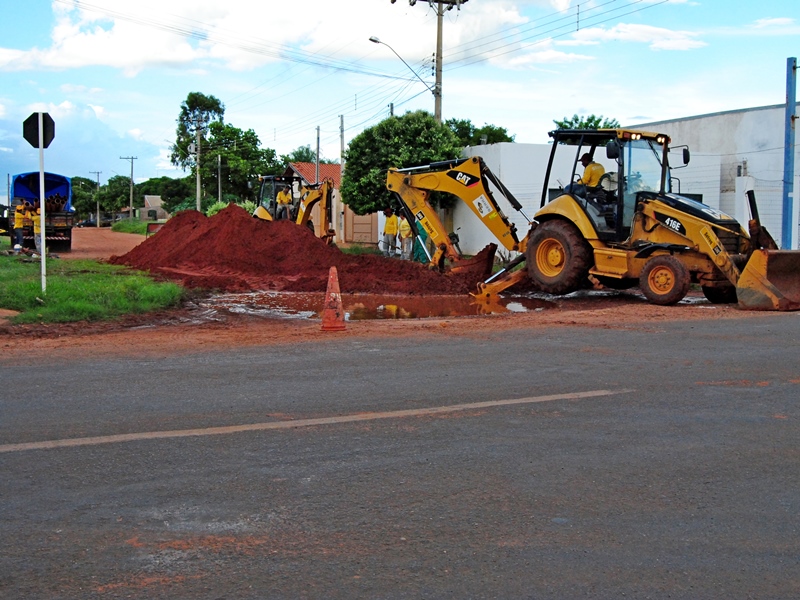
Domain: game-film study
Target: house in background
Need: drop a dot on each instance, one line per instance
(152, 210)
(350, 228)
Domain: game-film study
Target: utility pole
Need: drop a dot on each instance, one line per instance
(219, 178)
(197, 166)
(441, 6)
(97, 196)
(316, 174)
(130, 205)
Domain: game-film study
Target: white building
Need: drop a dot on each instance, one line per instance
(731, 153)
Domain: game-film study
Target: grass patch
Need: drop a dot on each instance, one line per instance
(130, 226)
(81, 290)
(358, 249)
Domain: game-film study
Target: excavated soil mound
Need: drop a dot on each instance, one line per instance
(234, 252)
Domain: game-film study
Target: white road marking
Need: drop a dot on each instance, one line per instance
(368, 416)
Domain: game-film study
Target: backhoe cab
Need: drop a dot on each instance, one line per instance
(300, 209)
(631, 229)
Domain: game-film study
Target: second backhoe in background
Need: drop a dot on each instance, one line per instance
(300, 210)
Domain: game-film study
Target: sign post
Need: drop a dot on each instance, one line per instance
(39, 129)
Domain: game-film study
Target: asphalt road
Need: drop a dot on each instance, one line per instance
(636, 461)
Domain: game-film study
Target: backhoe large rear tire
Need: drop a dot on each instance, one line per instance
(558, 257)
(664, 280)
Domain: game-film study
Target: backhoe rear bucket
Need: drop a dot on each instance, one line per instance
(479, 266)
(770, 281)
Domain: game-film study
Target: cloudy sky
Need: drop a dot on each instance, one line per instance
(113, 74)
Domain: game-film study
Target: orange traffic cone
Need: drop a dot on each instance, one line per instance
(333, 313)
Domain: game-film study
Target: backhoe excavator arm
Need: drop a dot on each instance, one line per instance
(310, 196)
(467, 179)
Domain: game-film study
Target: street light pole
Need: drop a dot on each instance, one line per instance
(432, 90)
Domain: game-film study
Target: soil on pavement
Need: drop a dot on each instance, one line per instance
(188, 329)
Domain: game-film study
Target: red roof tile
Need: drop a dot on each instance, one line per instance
(326, 171)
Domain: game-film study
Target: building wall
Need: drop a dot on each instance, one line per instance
(522, 169)
(748, 145)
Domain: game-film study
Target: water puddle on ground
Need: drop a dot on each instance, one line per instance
(359, 307)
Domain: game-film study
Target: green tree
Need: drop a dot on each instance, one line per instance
(175, 192)
(303, 154)
(469, 135)
(115, 195)
(590, 122)
(171, 190)
(83, 195)
(237, 157)
(197, 112)
(410, 140)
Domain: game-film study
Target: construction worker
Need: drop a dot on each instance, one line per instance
(406, 238)
(20, 214)
(592, 172)
(390, 229)
(36, 217)
(284, 201)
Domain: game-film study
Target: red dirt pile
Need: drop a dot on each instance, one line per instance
(232, 251)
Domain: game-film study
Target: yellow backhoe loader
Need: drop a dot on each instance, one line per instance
(300, 210)
(629, 230)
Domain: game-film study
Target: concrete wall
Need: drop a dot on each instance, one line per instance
(522, 168)
(748, 146)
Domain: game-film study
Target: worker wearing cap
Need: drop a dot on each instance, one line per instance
(284, 201)
(406, 238)
(20, 214)
(592, 172)
(390, 229)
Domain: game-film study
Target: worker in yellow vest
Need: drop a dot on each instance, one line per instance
(390, 230)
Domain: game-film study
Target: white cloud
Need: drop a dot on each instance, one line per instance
(658, 38)
(777, 22)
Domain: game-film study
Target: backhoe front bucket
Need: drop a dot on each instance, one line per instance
(770, 281)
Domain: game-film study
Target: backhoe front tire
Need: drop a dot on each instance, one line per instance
(664, 280)
(558, 257)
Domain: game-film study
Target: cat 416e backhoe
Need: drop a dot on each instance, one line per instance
(630, 230)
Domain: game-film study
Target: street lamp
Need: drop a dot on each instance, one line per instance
(436, 90)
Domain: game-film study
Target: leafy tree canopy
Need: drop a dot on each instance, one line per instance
(83, 195)
(235, 156)
(410, 140)
(303, 154)
(115, 195)
(590, 122)
(469, 135)
(172, 191)
(197, 112)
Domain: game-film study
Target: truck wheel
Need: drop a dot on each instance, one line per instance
(720, 295)
(664, 280)
(558, 257)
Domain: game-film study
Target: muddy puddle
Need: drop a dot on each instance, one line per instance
(369, 306)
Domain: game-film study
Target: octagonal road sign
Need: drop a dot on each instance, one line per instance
(30, 129)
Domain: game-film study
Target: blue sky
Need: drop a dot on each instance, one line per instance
(113, 74)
